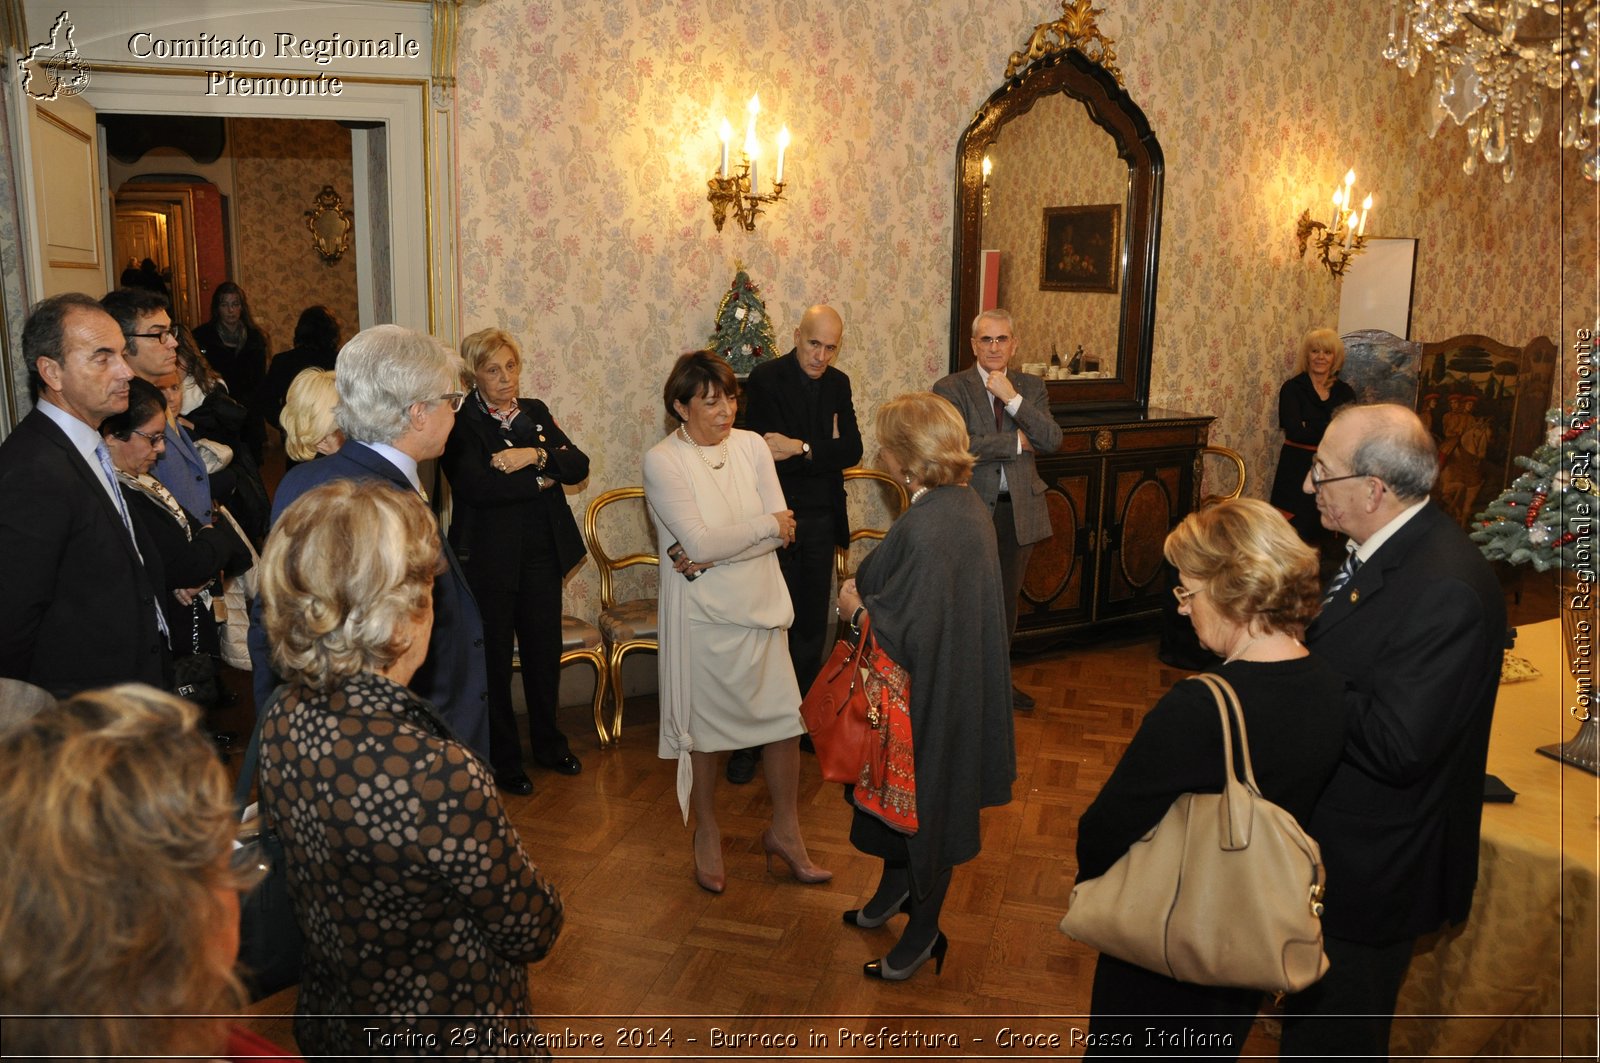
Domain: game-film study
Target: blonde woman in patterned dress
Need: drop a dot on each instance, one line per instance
(418, 904)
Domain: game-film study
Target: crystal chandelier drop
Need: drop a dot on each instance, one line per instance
(1503, 69)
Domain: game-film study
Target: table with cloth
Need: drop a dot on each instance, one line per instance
(1518, 979)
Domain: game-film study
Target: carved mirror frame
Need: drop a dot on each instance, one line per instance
(1069, 71)
(330, 225)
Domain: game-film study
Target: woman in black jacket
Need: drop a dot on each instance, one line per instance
(1249, 586)
(508, 461)
(189, 556)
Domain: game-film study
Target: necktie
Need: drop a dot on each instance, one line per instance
(127, 520)
(1346, 572)
(999, 412)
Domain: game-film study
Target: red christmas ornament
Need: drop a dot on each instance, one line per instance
(1576, 430)
(1534, 507)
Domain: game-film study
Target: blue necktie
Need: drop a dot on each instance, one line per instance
(127, 522)
(1346, 572)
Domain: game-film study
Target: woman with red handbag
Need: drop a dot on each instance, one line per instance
(932, 594)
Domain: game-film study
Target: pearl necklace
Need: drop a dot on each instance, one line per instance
(683, 433)
(918, 493)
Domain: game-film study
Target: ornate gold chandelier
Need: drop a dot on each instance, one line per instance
(1505, 69)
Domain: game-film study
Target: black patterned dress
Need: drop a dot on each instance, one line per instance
(419, 906)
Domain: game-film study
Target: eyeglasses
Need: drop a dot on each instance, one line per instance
(162, 336)
(1183, 594)
(1318, 481)
(455, 399)
(156, 440)
(992, 341)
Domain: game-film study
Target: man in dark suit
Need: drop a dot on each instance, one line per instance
(399, 391)
(1008, 419)
(78, 608)
(1416, 621)
(801, 405)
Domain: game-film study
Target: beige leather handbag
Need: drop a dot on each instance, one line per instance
(1226, 890)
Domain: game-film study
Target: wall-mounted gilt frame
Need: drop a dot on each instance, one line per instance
(330, 225)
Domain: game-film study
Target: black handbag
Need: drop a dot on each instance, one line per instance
(195, 673)
(270, 945)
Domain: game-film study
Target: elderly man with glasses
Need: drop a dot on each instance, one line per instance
(399, 391)
(1415, 621)
(1007, 414)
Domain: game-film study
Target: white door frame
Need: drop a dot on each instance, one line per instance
(402, 105)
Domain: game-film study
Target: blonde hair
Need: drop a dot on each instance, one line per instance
(345, 565)
(1316, 337)
(307, 416)
(116, 819)
(1254, 565)
(927, 437)
(483, 343)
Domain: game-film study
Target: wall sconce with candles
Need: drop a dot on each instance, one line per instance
(1342, 238)
(741, 190)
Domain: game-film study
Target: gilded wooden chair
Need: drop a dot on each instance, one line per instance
(896, 501)
(581, 641)
(626, 626)
(1238, 463)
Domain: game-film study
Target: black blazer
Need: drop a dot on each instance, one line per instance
(78, 608)
(1419, 633)
(497, 515)
(453, 676)
(775, 401)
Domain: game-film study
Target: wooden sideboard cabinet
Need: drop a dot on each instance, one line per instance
(1116, 487)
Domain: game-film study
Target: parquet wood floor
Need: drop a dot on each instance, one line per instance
(643, 948)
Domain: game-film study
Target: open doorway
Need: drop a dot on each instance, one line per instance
(210, 199)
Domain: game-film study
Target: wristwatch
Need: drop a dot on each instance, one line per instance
(805, 448)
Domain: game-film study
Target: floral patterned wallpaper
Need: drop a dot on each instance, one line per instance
(587, 131)
(279, 167)
(1053, 155)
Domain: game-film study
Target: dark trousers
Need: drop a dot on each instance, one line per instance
(1347, 1015)
(1135, 1013)
(526, 603)
(1013, 560)
(808, 570)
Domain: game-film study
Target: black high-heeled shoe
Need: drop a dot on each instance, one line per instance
(936, 950)
(858, 916)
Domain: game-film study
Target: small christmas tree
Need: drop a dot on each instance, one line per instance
(743, 336)
(1542, 516)
(1547, 517)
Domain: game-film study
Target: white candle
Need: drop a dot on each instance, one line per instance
(783, 145)
(1366, 205)
(727, 135)
(751, 151)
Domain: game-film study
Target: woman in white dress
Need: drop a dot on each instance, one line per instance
(725, 676)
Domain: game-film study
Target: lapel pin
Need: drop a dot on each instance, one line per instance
(1355, 596)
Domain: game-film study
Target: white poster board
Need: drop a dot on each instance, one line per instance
(1377, 288)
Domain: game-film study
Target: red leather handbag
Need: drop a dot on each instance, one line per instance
(858, 713)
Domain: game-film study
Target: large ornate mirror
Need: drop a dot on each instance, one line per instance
(1065, 230)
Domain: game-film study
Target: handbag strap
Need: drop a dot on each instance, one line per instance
(252, 754)
(1235, 811)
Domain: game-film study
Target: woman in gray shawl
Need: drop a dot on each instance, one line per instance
(932, 590)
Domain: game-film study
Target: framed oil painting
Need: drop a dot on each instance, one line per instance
(1081, 249)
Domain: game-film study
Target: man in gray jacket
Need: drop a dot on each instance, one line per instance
(1007, 414)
